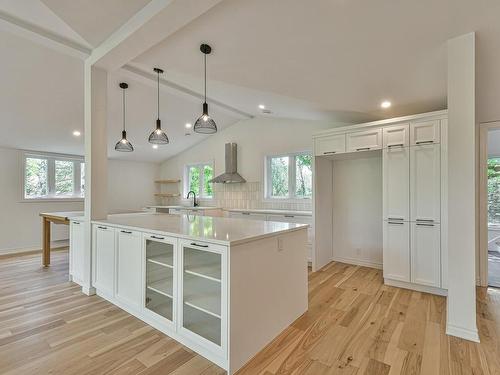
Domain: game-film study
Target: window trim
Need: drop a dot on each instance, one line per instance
(51, 159)
(202, 178)
(291, 178)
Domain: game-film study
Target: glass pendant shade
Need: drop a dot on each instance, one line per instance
(123, 145)
(205, 124)
(158, 136)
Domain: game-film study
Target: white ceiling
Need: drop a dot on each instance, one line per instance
(321, 59)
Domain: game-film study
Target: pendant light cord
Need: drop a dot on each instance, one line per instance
(158, 81)
(123, 106)
(205, 56)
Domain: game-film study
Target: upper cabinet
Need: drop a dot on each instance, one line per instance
(425, 132)
(396, 136)
(330, 145)
(364, 140)
(396, 180)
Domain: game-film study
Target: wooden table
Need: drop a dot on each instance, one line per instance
(56, 218)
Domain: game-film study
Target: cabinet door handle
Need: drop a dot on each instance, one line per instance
(398, 145)
(289, 216)
(423, 142)
(195, 244)
(396, 222)
(126, 231)
(425, 220)
(76, 222)
(329, 152)
(395, 218)
(102, 227)
(363, 148)
(425, 225)
(158, 238)
(245, 213)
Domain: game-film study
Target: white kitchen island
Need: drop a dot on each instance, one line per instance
(223, 287)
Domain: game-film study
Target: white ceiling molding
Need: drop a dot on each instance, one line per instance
(155, 22)
(42, 36)
(150, 79)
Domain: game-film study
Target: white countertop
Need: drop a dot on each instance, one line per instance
(270, 211)
(187, 207)
(222, 230)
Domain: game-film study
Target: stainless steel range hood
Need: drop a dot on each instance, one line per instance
(231, 176)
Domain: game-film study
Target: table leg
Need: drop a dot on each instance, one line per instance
(46, 242)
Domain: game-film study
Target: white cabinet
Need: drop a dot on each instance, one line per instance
(396, 253)
(396, 136)
(247, 215)
(129, 268)
(160, 282)
(104, 256)
(364, 140)
(426, 254)
(396, 180)
(424, 132)
(203, 292)
(329, 145)
(425, 183)
(76, 250)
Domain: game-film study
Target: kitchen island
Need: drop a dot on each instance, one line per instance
(223, 287)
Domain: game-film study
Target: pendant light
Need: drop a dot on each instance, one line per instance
(205, 124)
(123, 145)
(158, 136)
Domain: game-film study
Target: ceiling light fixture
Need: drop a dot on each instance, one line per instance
(155, 146)
(188, 125)
(262, 106)
(158, 136)
(76, 133)
(123, 145)
(205, 124)
(385, 104)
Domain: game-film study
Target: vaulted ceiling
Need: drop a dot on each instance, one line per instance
(312, 60)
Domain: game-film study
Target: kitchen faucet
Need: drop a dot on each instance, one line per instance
(194, 198)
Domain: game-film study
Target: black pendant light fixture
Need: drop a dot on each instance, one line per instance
(205, 124)
(123, 145)
(158, 136)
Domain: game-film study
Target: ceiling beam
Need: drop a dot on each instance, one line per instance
(156, 21)
(37, 34)
(181, 91)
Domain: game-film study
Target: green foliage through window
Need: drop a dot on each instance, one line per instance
(494, 191)
(198, 177)
(289, 176)
(36, 184)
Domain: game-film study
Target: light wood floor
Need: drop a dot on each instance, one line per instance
(355, 325)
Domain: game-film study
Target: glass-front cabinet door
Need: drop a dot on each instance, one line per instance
(203, 292)
(160, 276)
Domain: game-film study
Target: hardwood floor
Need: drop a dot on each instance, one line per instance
(355, 325)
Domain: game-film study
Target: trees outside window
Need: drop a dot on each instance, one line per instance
(289, 176)
(494, 191)
(197, 177)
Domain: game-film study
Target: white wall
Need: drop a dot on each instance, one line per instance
(357, 210)
(131, 187)
(131, 184)
(256, 138)
(20, 225)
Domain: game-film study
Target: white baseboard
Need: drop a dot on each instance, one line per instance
(463, 333)
(53, 245)
(357, 262)
(417, 287)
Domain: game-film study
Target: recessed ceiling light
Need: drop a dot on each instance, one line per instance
(262, 106)
(155, 146)
(188, 125)
(76, 133)
(385, 104)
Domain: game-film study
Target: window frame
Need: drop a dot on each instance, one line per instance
(51, 158)
(291, 197)
(186, 184)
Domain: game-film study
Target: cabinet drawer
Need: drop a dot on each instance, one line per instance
(396, 136)
(425, 132)
(364, 141)
(248, 215)
(330, 145)
(290, 219)
(426, 254)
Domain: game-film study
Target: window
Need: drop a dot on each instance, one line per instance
(48, 176)
(494, 191)
(289, 176)
(196, 179)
